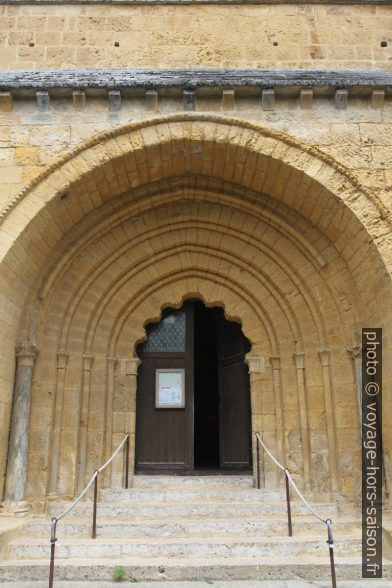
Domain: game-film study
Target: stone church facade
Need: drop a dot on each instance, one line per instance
(154, 153)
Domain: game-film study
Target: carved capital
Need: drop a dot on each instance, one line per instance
(131, 366)
(355, 352)
(299, 360)
(26, 354)
(88, 361)
(275, 362)
(112, 362)
(255, 364)
(62, 360)
(324, 355)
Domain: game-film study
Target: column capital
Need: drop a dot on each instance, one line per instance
(62, 359)
(299, 360)
(88, 361)
(255, 364)
(131, 365)
(112, 361)
(355, 352)
(275, 362)
(26, 353)
(324, 355)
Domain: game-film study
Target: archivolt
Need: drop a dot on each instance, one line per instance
(98, 231)
(307, 166)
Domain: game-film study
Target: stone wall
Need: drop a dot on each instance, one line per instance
(358, 137)
(174, 36)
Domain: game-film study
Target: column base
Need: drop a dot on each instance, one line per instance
(17, 508)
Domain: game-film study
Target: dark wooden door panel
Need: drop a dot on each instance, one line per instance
(164, 436)
(234, 416)
(162, 439)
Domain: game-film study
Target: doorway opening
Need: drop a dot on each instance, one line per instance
(193, 400)
(206, 446)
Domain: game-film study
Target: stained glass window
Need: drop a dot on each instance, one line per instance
(168, 334)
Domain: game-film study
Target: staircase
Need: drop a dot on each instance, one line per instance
(188, 528)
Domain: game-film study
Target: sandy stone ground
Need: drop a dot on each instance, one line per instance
(224, 584)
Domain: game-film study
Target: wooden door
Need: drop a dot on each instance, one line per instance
(234, 406)
(164, 436)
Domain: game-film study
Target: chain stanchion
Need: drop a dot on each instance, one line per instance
(289, 480)
(126, 449)
(93, 479)
(289, 523)
(258, 462)
(331, 553)
(94, 528)
(53, 540)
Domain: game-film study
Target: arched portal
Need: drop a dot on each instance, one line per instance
(276, 233)
(192, 402)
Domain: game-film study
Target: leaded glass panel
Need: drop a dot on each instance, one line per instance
(168, 335)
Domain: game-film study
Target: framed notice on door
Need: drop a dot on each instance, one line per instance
(170, 388)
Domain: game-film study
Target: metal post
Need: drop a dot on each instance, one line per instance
(331, 554)
(53, 540)
(290, 526)
(127, 461)
(94, 529)
(258, 462)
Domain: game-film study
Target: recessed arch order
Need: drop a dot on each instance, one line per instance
(198, 159)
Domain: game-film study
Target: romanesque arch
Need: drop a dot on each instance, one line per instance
(280, 235)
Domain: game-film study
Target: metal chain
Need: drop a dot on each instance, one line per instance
(114, 454)
(269, 453)
(327, 522)
(89, 483)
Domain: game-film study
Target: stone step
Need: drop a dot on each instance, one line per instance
(198, 482)
(191, 495)
(115, 547)
(112, 527)
(194, 508)
(191, 569)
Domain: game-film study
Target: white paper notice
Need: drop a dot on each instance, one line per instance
(170, 388)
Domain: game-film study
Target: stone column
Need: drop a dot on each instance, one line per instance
(62, 359)
(131, 369)
(277, 382)
(255, 366)
(111, 366)
(355, 353)
(15, 489)
(324, 355)
(299, 361)
(83, 425)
